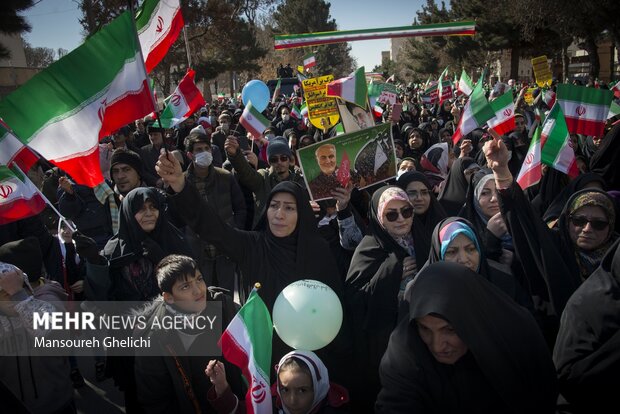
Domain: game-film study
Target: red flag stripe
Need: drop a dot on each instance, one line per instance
(585, 127)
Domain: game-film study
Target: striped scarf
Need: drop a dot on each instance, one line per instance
(103, 192)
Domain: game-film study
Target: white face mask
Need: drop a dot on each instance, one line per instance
(285, 118)
(203, 159)
(225, 127)
(399, 173)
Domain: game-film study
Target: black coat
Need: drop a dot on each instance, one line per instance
(507, 367)
(452, 196)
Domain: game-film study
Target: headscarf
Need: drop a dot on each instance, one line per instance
(128, 242)
(387, 196)
(452, 196)
(588, 261)
(503, 338)
(506, 238)
(579, 183)
(449, 232)
(605, 161)
(423, 224)
(318, 374)
(435, 160)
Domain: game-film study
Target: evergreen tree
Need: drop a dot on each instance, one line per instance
(11, 23)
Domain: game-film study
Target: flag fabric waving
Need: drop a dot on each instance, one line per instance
(295, 112)
(504, 108)
(585, 109)
(185, 100)
(352, 89)
(13, 150)
(466, 86)
(246, 342)
(531, 171)
(63, 111)
(477, 111)
(309, 61)
(440, 85)
(614, 110)
(159, 23)
(557, 151)
(276, 91)
(253, 121)
(19, 198)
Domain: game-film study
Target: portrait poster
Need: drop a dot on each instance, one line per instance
(353, 117)
(363, 158)
(322, 110)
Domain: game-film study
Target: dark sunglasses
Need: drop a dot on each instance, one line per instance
(581, 221)
(275, 159)
(406, 212)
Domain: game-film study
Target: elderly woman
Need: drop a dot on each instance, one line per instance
(465, 353)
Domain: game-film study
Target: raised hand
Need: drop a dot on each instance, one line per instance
(170, 171)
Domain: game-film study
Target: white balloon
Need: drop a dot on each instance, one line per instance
(307, 315)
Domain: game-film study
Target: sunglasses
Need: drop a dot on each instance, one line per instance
(406, 212)
(581, 221)
(275, 159)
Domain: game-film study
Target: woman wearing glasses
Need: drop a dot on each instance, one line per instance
(381, 266)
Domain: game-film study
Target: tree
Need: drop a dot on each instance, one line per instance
(12, 23)
(304, 16)
(38, 57)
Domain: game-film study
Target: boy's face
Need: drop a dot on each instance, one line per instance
(189, 294)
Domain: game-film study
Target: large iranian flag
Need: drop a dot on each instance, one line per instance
(531, 171)
(504, 119)
(477, 111)
(185, 100)
(253, 121)
(246, 342)
(557, 151)
(585, 109)
(63, 111)
(352, 89)
(19, 198)
(159, 23)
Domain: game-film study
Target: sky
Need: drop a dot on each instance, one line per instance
(55, 24)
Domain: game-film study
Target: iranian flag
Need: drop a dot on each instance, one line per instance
(185, 100)
(504, 108)
(246, 342)
(159, 23)
(295, 112)
(614, 110)
(557, 151)
(531, 171)
(13, 150)
(585, 109)
(477, 111)
(253, 121)
(309, 61)
(616, 89)
(276, 91)
(440, 86)
(466, 86)
(304, 110)
(63, 111)
(352, 89)
(19, 198)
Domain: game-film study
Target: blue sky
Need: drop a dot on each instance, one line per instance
(55, 24)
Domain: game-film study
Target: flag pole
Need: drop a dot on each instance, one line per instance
(189, 57)
(63, 218)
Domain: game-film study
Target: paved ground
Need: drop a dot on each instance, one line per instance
(97, 397)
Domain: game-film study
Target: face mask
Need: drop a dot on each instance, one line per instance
(285, 118)
(225, 127)
(399, 173)
(203, 159)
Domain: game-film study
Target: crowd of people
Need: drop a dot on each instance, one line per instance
(461, 291)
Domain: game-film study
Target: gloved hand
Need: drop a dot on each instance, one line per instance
(87, 248)
(152, 251)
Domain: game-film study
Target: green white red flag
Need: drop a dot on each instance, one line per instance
(477, 111)
(531, 171)
(616, 89)
(276, 91)
(585, 109)
(63, 111)
(253, 121)
(466, 86)
(557, 151)
(504, 119)
(185, 100)
(614, 110)
(440, 86)
(309, 61)
(159, 23)
(13, 150)
(19, 198)
(295, 112)
(246, 342)
(352, 89)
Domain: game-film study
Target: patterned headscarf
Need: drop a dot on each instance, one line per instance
(391, 194)
(449, 233)
(595, 199)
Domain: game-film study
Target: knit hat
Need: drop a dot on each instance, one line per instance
(278, 146)
(125, 156)
(25, 254)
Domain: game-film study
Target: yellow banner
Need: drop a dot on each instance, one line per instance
(541, 71)
(322, 110)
